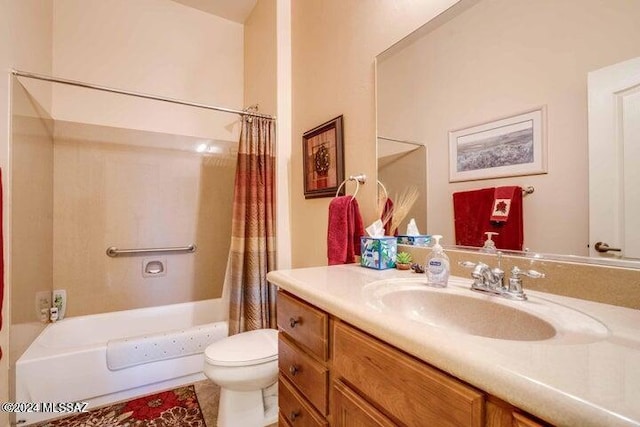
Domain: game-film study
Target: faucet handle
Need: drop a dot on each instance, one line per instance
(479, 269)
(467, 264)
(516, 273)
(515, 282)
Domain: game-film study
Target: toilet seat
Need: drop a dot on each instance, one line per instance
(244, 349)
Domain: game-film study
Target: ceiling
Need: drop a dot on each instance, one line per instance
(234, 10)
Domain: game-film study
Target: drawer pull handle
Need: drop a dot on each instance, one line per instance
(294, 321)
(293, 370)
(293, 415)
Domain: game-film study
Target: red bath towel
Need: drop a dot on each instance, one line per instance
(472, 212)
(344, 230)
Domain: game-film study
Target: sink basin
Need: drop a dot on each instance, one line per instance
(460, 310)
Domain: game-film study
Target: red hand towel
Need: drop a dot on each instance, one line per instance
(387, 213)
(503, 198)
(344, 230)
(512, 231)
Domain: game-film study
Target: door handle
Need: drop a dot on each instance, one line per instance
(603, 247)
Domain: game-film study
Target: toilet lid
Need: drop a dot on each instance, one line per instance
(247, 348)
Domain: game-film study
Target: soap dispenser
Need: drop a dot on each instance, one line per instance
(437, 265)
(489, 245)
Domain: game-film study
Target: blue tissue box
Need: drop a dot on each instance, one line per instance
(419, 240)
(378, 252)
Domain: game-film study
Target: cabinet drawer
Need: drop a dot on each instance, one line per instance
(307, 374)
(294, 409)
(409, 390)
(521, 420)
(350, 410)
(304, 323)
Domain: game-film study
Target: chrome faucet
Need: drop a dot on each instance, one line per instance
(491, 280)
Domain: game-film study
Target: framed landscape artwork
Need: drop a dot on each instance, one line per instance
(323, 159)
(510, 146)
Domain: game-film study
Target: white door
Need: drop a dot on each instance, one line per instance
(614, 159)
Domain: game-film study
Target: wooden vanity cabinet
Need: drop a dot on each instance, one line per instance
(331, 373)
(303, 363)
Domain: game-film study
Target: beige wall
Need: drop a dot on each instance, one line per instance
(334, 43)
(159, 47)
(267, 78)
(177, 52)
(499, 58)
(260, 57)
(398, 172)
(25, 43)
(5, 63)
(111, 194)
(32, 206)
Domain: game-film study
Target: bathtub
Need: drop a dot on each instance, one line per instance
(67, 362)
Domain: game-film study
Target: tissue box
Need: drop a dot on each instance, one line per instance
(419, 240)
(378, 252)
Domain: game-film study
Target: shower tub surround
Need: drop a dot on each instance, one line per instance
(104, 358)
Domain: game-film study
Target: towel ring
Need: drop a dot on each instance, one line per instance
(386, 193)
(359, 179)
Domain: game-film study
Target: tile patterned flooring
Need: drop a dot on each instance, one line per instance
(209, 396)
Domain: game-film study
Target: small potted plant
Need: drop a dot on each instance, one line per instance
(403, 261)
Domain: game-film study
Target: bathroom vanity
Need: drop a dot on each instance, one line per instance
(364, 347)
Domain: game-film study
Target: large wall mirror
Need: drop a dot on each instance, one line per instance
(483, 60)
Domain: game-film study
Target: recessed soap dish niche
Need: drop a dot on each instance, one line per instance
(154, 267)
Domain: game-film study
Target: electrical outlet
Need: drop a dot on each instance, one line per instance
(43, 302)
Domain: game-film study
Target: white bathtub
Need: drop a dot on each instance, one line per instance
(68, 361)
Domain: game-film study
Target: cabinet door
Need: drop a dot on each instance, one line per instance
(350, 410)
(410, 391)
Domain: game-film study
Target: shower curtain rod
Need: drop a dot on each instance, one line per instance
(138, 94)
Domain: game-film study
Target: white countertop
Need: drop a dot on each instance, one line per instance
(590, 383)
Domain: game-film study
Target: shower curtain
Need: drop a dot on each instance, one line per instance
(252, 253)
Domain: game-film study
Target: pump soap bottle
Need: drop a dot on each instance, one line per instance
(437, 265)
(489, 245)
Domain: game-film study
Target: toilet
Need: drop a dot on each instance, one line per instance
(245, 366)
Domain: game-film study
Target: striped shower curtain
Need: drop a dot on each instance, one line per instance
(252, 253)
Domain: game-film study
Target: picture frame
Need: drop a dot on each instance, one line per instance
(323, 159)
(510, 146)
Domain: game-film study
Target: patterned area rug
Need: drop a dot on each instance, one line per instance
(173, 408)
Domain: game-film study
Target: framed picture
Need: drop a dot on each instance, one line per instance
(323, 162)
(511, 146)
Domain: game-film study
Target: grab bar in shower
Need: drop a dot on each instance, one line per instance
(114, 252)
